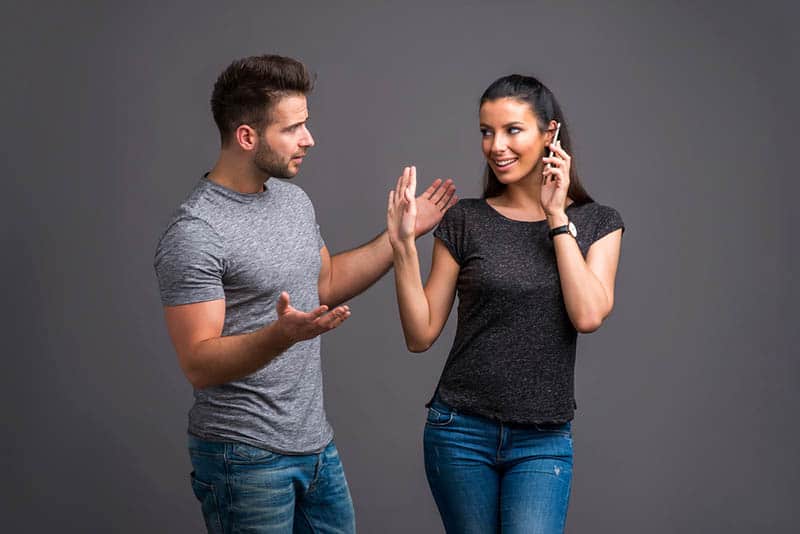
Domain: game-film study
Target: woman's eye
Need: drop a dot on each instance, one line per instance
(485, 133)
(514, 130)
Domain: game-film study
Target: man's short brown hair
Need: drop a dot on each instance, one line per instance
(248, 87)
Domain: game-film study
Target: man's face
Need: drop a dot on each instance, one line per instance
(286, 140)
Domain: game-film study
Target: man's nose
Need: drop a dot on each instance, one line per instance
(307, 140)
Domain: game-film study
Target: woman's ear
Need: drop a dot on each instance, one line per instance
(551, 131)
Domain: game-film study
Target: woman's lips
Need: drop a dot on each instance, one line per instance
(503, 164)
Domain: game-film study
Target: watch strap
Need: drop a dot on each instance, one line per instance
(558, 230)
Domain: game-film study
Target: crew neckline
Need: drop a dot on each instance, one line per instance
(509, 219)
(236, 195)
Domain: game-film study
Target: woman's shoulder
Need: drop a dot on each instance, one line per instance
(471, 205)
(597, 218)
(465, 207)
(592, 211)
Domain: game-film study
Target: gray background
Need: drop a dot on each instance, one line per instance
(684, 119)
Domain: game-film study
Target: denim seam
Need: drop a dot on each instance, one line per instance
(217, 508)
(308, 520)
(449, 416)
(231, 515)
(317, 471)
(499, 444)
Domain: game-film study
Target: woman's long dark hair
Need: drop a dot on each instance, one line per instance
(545, 108)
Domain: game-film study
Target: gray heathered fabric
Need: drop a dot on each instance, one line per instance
(513, 357)
(247, 248)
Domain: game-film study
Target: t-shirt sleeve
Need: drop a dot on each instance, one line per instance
(189, 263)
(606, 221)
(320, 241)
(451, 231)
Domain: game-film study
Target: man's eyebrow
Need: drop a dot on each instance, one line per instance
(296, 124)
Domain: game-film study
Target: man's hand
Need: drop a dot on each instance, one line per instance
(295, 325)
(432, 204)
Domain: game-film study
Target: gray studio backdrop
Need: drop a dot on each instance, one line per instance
(683, 118)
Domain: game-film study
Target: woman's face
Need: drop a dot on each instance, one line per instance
(511, 140)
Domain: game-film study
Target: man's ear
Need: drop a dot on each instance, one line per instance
(246, 137)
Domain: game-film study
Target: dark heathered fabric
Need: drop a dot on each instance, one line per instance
(513, 357)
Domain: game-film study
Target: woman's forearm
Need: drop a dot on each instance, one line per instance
(411, 298)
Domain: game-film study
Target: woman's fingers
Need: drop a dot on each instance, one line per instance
(559, 150)
(411, 185)
(399, 185)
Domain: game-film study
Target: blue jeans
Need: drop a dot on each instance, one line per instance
(488, 477)
(246, 489)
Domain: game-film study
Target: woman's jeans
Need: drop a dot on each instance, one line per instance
(490, 477)
(247, 489)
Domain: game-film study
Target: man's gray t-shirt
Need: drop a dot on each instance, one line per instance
(246, 249)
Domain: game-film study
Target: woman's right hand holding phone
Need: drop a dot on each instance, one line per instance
(401, 213)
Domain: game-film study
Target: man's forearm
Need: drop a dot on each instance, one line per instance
(354, 271)
(223, 359)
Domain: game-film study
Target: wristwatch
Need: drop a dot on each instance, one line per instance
(566, 229)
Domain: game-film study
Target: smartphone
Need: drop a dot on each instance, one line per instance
(555, 138)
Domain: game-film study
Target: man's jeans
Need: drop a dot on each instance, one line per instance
(246, 489)
(489, 477)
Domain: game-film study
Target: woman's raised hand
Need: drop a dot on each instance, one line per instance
(401, 213)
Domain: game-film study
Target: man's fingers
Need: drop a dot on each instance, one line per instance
(283, 303)
(447, 194)
(334, 318)
(442, 191)
(432, 189)
(318, 312)
(448, 200)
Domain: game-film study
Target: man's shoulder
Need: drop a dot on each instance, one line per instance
(192, 219)
(288, 191)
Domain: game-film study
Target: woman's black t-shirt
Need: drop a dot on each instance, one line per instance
(513, 357)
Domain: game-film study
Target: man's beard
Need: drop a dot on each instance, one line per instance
(270, 164)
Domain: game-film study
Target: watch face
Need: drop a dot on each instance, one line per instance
(572, 229)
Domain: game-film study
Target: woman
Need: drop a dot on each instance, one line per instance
(534, 263)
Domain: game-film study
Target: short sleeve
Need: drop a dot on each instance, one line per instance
(189, 263)
(451, 231)
(606, 221)
(320, 241)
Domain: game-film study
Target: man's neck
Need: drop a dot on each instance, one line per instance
(237, 174)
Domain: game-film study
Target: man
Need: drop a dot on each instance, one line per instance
(248, 286)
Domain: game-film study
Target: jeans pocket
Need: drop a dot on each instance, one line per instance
(208, 504)
(242, 453)
(560, 429)
(438, 416)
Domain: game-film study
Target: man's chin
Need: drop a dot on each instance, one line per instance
(289, 174)
(285, 173)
